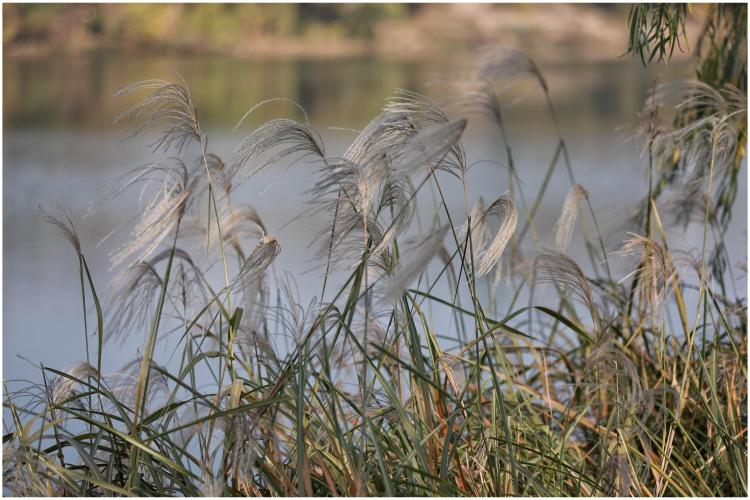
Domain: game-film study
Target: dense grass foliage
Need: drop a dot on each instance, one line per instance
(404, 376)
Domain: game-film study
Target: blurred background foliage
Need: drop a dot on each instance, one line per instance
(275, 30)
(189, 27)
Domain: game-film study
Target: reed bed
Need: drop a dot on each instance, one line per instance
(622, 384)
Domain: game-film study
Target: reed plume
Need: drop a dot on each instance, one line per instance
(567, 221)
(412, 264)
(168, 107)
(505, 211)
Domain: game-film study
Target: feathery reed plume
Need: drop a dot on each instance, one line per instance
(566, 223)
(135, 290)
(160, 214)
(701, 148)
(505, 210)
(656, 272)
(169, 107)
(696, 98)
(238, 223)
(63, 387)
(412, 263)
(609, 369)
(429, 145)
(133, 301)
(561, 270)
(122, 385)
(262, 256)
(66, 226)
(395, 133)
(349, 186)
(361, 201)
(252, 338)
(478, 97)
(480, 231)
(396, 207)
(496, 63)
(478, 94)
(368, 192)
(280, 138)
(689, 204)
(353, 236)
(217, 171)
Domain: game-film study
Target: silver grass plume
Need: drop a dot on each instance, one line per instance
(63, 387)
(366, 324)
(239, 222)
(297, 319)
(480, 231)
(566, 223)
(412, 263)
(478, 97)
(410, 113)
(353, 236)
(498, 62)
(505, 210)
(429, 146)
(349, 186)
(357, 198)
(262, 256)
(169, 186)
(65, 225)
(271, 142)
(396, 207)
(134, 292)
(632, 406)
(704, 140)
(609, 369)
(252, 338)
(168, 107)
(387, 136)
(696, 98)
(218, 177)
(478, 94)
(657, 270)
(560, 270)
(368, 192)
(122, 384)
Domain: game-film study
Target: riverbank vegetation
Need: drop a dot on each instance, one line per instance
(394, 31)
(453, 353)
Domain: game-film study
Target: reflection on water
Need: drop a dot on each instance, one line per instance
(60, 147)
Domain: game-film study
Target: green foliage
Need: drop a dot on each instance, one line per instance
(655, 30)
(722, 47)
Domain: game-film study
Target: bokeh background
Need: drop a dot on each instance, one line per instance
(63, 63)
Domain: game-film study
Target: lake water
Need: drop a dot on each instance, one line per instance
(59, 147)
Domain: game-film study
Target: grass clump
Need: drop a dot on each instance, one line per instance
(612, 386)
